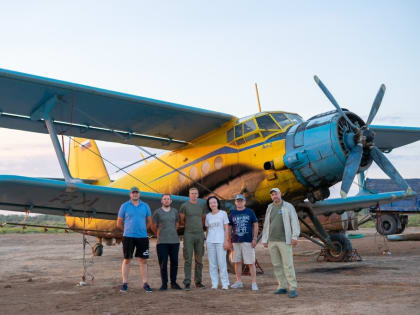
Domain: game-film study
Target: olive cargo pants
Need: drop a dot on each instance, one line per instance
(193, 244)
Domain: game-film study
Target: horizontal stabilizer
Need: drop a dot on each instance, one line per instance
(46, 196)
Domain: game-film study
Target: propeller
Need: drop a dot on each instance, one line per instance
(364, 143)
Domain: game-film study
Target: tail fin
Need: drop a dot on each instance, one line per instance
(85, 162)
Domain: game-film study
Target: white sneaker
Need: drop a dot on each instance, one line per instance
(237, 285)
(225, 288)
(254, 287)
(214, 288)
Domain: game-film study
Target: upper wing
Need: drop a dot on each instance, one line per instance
(93, 113)
(356, 202)
(390, 137)
(48, 196)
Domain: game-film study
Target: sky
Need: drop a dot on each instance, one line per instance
(209, 54)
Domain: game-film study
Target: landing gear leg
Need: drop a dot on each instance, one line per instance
(337, 246)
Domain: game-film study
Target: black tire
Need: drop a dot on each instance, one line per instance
(98, 249)
(343, 248)
(401, 230)
(386, 224)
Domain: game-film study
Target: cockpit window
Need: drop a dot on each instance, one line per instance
(238, 131)
(249, 126)
(281, 119)
(266, 122)
(295, 118)
(230, 135)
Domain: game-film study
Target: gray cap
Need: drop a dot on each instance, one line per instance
(239, 196)
(275, 189)
(133, 189)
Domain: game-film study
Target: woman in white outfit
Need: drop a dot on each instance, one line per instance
(217, 223)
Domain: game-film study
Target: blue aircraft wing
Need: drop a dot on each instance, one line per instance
(94, 113)
(46, 196)
(391, 137)
(357, 202)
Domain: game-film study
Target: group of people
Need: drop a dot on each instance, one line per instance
(237, 231)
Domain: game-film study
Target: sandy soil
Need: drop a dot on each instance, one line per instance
(39, 273)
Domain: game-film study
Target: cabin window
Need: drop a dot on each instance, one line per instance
(249, 126)
(252, 137)
(266, 133)
(266, 122)
(281, 119)
(230, 135)
(240, 141)
(296, 119)
(238, 131)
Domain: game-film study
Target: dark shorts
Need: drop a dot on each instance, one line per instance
(141, 245)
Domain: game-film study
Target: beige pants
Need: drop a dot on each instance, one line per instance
(282, 260)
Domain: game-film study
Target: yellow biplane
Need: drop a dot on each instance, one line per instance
(218, 153)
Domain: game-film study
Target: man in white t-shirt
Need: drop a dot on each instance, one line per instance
(217, 223)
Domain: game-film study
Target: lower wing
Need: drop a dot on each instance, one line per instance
(47, 196)
(356, 202)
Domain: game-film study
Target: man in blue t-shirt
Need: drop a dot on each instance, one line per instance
(243, 225)
(134, 218)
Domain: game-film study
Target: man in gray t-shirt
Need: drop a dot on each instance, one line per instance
(164, 224)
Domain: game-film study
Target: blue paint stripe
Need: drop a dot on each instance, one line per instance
(223, 150)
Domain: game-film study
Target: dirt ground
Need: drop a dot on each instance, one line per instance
(39, 273)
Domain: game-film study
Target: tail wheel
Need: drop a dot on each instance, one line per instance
(97, 249)
(342, 248)
(386, 224)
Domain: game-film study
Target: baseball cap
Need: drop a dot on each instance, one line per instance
(274, 189)
(133, 189)
(239, 196)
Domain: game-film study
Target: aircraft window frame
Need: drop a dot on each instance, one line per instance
(266, 133)
(260, 126)
(230, 135)
(242, 130)
(284, 122)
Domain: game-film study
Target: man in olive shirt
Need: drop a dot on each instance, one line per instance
(281, 231)
(164, 225)
(193, 216)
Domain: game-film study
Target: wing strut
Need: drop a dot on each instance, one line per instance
(42, 112)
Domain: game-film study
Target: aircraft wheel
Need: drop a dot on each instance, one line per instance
(386, 224)
(343, 248)
(98, 249)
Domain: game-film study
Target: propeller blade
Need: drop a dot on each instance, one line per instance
(376, 104)
(351, 168)
(333, 101)
(388, 168)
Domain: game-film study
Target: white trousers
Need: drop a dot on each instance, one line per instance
(217, 262)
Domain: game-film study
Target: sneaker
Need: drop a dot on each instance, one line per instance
(187, 287)
(164, 287)
(199, 285)
(175, 286)
(225, 288)
(237, 285)
(292, 294)
(147, 288)
(254, 287)
(280, 291)
(124, 287)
